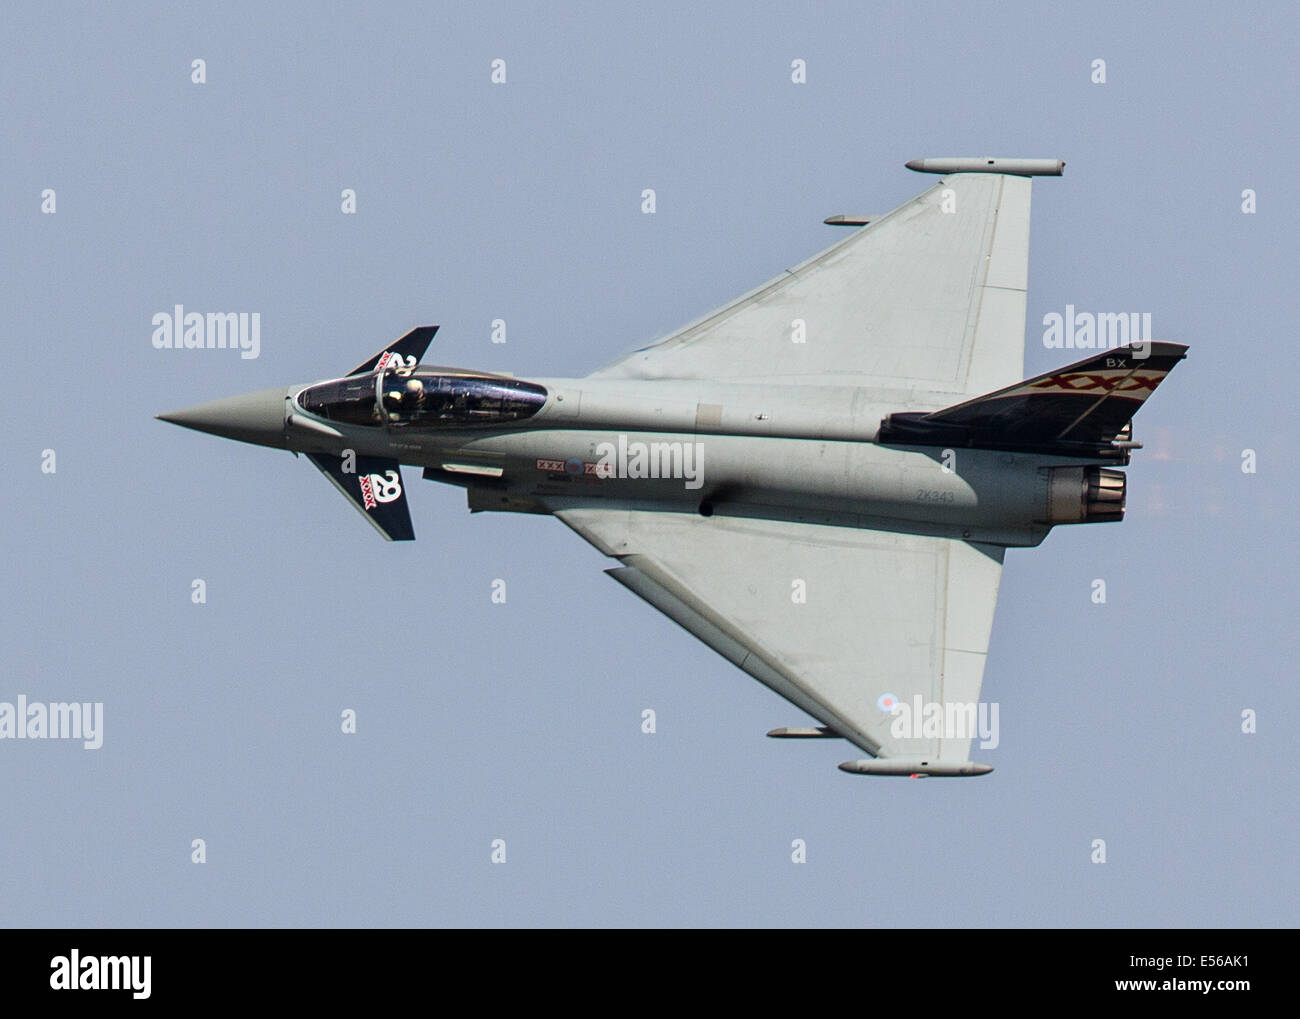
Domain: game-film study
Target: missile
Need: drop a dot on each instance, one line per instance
(804, 732)
(989, 164)
(845, 220)
(912, 767)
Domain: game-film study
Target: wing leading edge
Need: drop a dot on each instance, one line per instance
(930, 296)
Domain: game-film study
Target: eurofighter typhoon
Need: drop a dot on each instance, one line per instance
(819, 480)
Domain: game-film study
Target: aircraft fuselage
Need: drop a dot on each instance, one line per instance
(739, 450)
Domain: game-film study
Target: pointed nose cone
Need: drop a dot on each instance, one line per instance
(253, 417)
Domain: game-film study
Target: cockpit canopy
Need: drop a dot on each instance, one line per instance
(423, 398)
(349, 401)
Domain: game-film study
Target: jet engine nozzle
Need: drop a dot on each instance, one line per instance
(1084, 495)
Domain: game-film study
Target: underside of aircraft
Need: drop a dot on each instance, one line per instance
(818, 480)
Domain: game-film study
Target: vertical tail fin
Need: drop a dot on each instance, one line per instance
(1079, 410)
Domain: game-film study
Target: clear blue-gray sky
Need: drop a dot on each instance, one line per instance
(1119, 721)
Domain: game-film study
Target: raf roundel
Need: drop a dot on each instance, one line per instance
(887, 702)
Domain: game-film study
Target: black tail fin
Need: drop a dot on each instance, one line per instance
(1078, 410)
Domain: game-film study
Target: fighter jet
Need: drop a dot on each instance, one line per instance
(819, 480)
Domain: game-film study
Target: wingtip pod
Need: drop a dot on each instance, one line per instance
(989, 164)
(912, 768)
